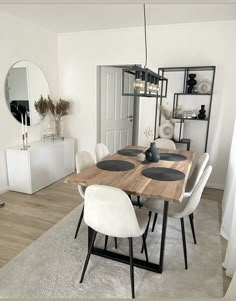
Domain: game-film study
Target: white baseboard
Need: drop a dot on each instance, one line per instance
(4, 189)
(215, 186)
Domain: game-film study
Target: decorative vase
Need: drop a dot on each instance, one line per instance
(152, 154)
(202, 112)
(58, 128)
(191, 82)
(141, 157)
(166, 130)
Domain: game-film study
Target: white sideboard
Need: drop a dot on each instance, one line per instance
(40, 165)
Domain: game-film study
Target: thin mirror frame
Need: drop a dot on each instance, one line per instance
(7, 99)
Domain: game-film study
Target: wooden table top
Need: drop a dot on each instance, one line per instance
(133, 182)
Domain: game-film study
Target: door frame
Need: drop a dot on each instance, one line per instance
(136, 102)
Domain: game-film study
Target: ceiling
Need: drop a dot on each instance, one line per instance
(61, 18)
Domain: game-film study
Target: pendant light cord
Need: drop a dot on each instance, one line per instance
(145, 34)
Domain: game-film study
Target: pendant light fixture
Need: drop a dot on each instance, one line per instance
(141, 81)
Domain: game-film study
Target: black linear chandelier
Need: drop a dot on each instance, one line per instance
(141, 81)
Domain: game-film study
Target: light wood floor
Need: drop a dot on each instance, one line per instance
(26, 217)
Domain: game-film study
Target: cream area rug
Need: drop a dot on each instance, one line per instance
(51, 266)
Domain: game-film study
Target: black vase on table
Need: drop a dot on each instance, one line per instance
(152, 154)
(191, 82)
(202, 112)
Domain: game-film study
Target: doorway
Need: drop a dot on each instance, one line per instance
(117, 115)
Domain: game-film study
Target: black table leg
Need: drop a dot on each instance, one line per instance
(163, 236)
(143, 264)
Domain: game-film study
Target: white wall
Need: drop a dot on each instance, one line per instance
(211, 43)
(21, 40)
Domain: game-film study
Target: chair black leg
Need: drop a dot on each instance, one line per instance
(115, 239)
(131, 266)
(146, 230)
(184, 243)
(145, 246)
(192, 228)
(138, 202)
(105, 245)
(154, 221)
(88, 256)
(79, 223)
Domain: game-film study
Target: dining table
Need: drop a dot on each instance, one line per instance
(135, 181)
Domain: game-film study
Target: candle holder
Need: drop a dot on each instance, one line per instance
(26, 141)
(23, 143)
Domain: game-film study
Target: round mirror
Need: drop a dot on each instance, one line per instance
(25, 83)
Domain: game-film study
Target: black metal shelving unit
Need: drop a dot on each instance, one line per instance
(186, 70)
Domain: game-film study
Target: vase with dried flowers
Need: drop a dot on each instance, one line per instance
(166, 129)
(152, 154)
(58, 109)
(41, 106)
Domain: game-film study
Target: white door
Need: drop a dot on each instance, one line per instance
(116, 110)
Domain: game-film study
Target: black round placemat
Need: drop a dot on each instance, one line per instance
(115, 165)
(129, 152)
(163, 174)
(172, 157)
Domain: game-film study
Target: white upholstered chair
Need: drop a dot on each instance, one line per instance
(185, 208)
(192, 182)
(165, 143)
(109, 211)
(101, 151)
(83, 160)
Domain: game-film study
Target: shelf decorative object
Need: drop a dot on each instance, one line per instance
(191, 83)
(202, 112)
(204, 87)
(166, 129)
(189, 92)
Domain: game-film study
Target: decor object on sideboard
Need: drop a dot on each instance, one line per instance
(191, 82)
(152, 154)
(24, 132)
(41, 106)
(57, 108)
(24, 85)
(202, 112)
(144, 81)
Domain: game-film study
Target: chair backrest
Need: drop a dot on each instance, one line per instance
(109, 211)
(165, 143)
(197, 172)
(195, 197)
(83, 160)
(101, 151)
